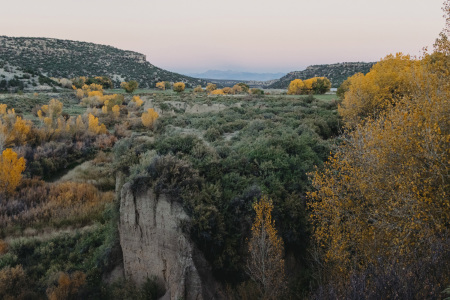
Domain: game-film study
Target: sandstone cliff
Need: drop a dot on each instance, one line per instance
(153, 244)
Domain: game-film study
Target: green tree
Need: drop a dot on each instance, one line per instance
(129, 86)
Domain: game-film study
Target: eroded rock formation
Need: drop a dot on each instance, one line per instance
(153, 244)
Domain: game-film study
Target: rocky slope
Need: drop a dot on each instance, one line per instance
(68, 59)
(13, 79)
(336, 73)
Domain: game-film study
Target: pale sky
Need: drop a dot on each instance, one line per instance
(244, 35)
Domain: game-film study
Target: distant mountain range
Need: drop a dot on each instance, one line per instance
(234, 75)
(68, 59)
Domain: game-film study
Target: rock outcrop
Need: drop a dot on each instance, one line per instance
(154, 245)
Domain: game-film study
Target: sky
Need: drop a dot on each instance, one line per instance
(242, 35)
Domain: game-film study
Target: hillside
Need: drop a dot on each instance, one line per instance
(68, 59)
(336, 73)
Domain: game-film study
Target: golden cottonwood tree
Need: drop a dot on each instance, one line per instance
(179, 87)
(211, 87)
(13, 129)
(116, 111)
(137, 100)
(149, 117)
(265, 263)
(315, 85)
(296, 87)
(388, 82)
(161, 85)
(11, 169)
(94, 126)
(385, 193)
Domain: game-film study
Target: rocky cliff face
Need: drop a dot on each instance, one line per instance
(153, 244)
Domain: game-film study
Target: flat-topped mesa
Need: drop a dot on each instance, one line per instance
(154, 245)
(68, 59)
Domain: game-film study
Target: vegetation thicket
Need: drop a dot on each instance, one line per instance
(380, 208)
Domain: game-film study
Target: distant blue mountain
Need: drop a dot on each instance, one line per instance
(233, 75)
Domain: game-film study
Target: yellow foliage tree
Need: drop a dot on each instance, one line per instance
(53, 110)
(3, 109)
(161, 85)
(388, 82)
(296, 87)
(11, 169)
(211, 87)
(179, 87)
(385, 193)
(14, 129)
(149, 117)
(228, 90)
(116, 111)
(315, 85)
(265, 263)
(138, 101)
(237, 89)
(94, 126)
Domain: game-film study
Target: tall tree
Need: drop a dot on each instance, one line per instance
(265, 263)
(11, 168)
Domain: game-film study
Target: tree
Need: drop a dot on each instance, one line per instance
(228, 90)
(237, 89)
(383, 196)
(265, 263)
(116, 111)
(211, 87)
(104, 81)
(387, 83)
(129, 86)
(245, 87)
(295, 87)
(149, 117)
(198, 89)
(137, 100)
(315, 85)
(67, 287)
(161, 85)
(94, 126)
(11, 169)
(343, 88)
(179, 87)
(321, 85)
